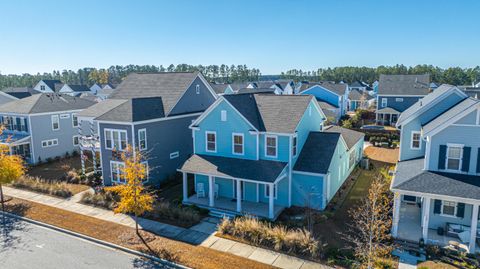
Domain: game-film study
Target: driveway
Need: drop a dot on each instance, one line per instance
(25, 245)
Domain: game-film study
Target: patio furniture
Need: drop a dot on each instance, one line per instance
(200, 190)
(460, 231)
(216, 190)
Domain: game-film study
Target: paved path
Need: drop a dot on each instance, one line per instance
(201, 234)
(26, 245)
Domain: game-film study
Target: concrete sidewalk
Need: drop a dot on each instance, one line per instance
(202, 234)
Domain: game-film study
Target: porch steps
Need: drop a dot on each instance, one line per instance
(221, 214)
(411, 247)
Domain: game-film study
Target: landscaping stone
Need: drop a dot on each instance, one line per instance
(288, 262)
(241, 250)
(264, 256)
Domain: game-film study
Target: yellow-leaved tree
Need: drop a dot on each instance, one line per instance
(11, 167)
(133, 197)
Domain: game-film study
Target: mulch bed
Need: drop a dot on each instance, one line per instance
(180, 252)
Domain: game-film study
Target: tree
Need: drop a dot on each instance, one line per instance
(369, 231)
(11, 168)
(133, 197)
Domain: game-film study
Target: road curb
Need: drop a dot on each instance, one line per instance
(97, 241)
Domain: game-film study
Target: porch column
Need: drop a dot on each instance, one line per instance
(396, 213)
(211, 192)
(239, 195)
(94, 159)
(473, 229)
(258, 193)
(270, 200)
(425, 218)
(185, 187)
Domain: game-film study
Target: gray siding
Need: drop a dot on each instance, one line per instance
(106, 154)
(192, 102)
(399, 106)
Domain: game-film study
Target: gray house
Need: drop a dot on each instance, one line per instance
(151, 112)
(41, 126)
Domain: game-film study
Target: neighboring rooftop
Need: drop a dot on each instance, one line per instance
(351, 137)
(256, 90)
(79, 88)
(51, 83)
(133, 110)
(20, 92)
(317, 152)
(219, 88)
(404, 84)
(45, 102)
(337, 88)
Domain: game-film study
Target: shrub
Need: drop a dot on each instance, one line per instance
(72, 177)
(103, 199)
(39, 185)
(296, 241)
(182, 215)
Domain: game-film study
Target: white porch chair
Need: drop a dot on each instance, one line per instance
(216, 190)
(200, 190)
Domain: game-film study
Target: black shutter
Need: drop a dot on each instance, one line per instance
(437, 206)
(460, 210)
(26, 124)
(466, 159)
(442, 155)
(478, 162)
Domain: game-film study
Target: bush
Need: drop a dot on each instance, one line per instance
(39, 185)
(296, 241)
(103, 199)
(72, 177)
(182, 215)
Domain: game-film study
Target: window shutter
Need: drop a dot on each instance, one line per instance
(442, 155)
(478, 163)
(26, 124)
(460, 210)
(466, 159)
(437, 206)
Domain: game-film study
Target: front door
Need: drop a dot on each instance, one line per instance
(241, 189)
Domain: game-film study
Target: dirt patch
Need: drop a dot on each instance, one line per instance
(384, 155)
(55, 170)
(131, 237)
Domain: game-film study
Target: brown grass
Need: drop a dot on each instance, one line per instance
(56, 169)
(389, 156)
(435, 265)
(183, 253)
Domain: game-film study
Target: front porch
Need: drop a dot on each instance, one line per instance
(387, 116)
(18, 143)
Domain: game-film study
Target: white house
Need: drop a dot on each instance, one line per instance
(46, 85)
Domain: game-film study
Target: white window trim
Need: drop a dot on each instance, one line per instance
(174, 155)
(118, 171)
(115, 130)
(206, 141)
(276, 146)
(73, 140)
(419, 140)
(275, 191)
(147, 174)
(386, 102)
(64, 116)
(197, 89)
(58, 120)
(447, 215)
(399, 100)
(233, 144)
(74, 115)
(54, 143)
(139, 144)
(461, 157)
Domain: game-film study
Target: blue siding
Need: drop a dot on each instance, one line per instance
(308, 189)
(283, 148)
(468, 119)
(399, 106)
(437, 220)
(308, 123)
(324, 95)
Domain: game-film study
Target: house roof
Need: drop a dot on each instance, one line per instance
(106, 92)
(388, 110)
(238, 85)
(404, 84)
(45, 102)
(337, 88)
(317, 152)
(453, 111)
(326, 106)
(135, 109)
(20, 92)
(99, 109)
(256, 90)
(169, 86)
(219, 88)
(357, 84)
(12, 138)
(51, 83)
(79, 88)
(271, 113)
(258, 170)
(351, 137)
(410, 176)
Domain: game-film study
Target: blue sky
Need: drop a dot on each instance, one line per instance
(274, 36)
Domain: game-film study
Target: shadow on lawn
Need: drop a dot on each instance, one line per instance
(10, 226)
(148, 264)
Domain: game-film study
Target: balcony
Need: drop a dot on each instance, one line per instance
(89, 142)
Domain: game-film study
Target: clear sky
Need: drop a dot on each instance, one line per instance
(274, 36)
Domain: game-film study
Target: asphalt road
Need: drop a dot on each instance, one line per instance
(25, 245)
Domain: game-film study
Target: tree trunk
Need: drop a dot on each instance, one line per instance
(2, 200)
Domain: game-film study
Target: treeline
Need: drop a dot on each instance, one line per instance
(115, 74)
(348, 74)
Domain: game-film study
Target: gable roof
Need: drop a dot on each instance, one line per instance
(351, 137)
(169, 86)
(219, 88)
(337, 88)
(99, 109)
(355, 95)
(45, 102)
(271, 113)
(20, 92)
(51, 83)
(404, 84)
(317, 152)
(135, 109)
(357, 84)
(256, 90)
(238, 85)
(79, 88)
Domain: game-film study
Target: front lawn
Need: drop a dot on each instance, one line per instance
(55, 188)
(55, 169)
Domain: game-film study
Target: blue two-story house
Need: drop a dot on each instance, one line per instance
(335, 94)
(260, 153)
(437, 180)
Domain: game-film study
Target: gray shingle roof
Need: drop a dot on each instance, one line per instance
(338, 88)
(256, 90)
(40, 103)
(388, 110)
(101, 108)
(325, 105)
(79, 88)
(219, 88)
(136, 109)
(271, 113)
(404, 84)
(355, 95)
(258, 170)
(453, 111)
(170, 86)
(51, 83)
(20, 92)
(351, 137)
(317, 152)
(410, 176)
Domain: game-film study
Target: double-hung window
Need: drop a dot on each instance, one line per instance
(55, 122)
(211, 141)
(384, 102)
(74, 120)
(237, 144)
(415, 142)
(454, 157)
(352, 157)
(76, 140)
(449, 208)
(142, 139)
(115, 139)
(117, 171)
(271, 146)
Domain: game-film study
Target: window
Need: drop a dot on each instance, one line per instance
(117, 171)
(42, 88)
(76, 140)
(211, 141)
(174, 155)
(416, 144)
(267, 191)
(142, 139)
(49, 143)
(223, 115)
(115, 139)
(399, 100)
(384, 102)
(74, 120)
(147, 172)
(409, 199)
(237, 144)
(352, 157)
(197, 89)
(294, 146)
(449, 208)
(64, 116)
(454, 157)
(271, 146)
(55, 122)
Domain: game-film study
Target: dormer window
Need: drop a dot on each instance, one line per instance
(42, 88)
(197, 89)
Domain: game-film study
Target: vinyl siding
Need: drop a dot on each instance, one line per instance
(399, 106)
(192, 102)
(308, 190)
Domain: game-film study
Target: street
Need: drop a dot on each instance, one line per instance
(25, 245)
